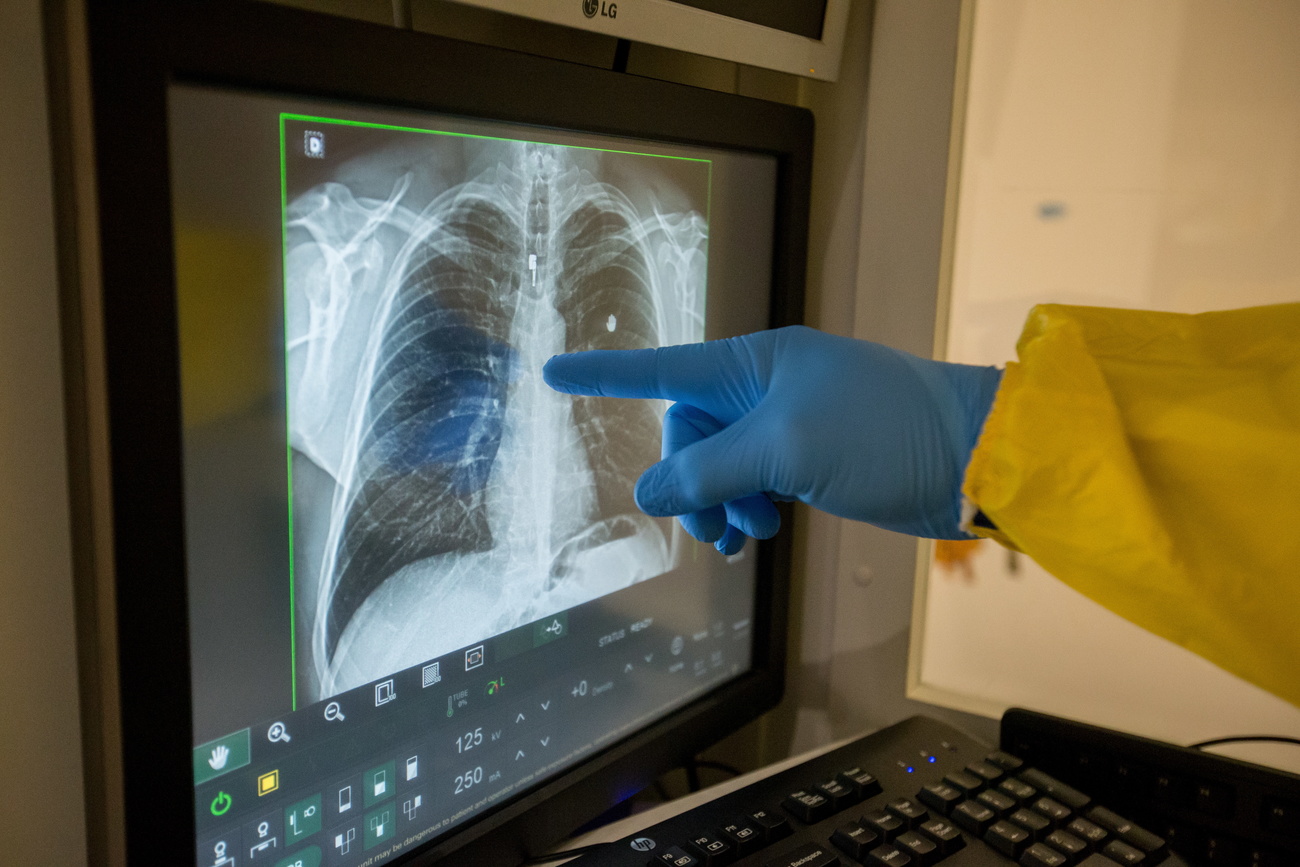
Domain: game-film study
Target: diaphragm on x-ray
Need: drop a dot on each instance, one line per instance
(449, 494)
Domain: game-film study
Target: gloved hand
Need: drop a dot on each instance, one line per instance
(851, 427)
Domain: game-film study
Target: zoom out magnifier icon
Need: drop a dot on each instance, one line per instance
(277, 732)
(334, 712)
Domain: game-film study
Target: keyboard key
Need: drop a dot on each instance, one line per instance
(1172, 790)
(1096, 859)
(1182, 838)
(1093, 835)
(1131, 834)
(986, 771)
(807, 806)
(1022, 792)
(888, 855)
(772, 824)
(1042, 855)
(1036, 824)
(1007, 838)
(1258, 857)
(807, 855)
(1214, 799)
(745, 837)
(1071, 797)
(855, 840)
(1282, 817)
(1221, 850)
(1088, 769)
(922, 849)
(974, 817)
(940, 797)
(944, 834)
(968, 784)
(712, 851)
(837, 793)
(1141, 838)
(1067, 844)
(1005, 761)
(887, 825)
(1121, 852)
(1056, 812)
(1133, 779)
(674, 857)
(997, 802)
(863, 784)
(1110, 820)
(910, 812)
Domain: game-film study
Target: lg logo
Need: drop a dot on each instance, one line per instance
(592, 8)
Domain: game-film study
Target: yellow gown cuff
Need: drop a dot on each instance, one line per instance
(1151, 461)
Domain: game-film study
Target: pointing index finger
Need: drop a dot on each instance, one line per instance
(695, 373)
(605, 373)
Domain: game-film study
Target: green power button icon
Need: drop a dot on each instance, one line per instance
(221, 804)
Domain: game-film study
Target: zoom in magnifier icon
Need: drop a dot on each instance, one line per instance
(334, 712)
(277, 732)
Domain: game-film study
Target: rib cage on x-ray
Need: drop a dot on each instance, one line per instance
(465, 488)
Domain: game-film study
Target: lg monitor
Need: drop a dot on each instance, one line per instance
(801, 37)
(359, 588)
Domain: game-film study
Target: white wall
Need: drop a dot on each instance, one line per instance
(41, 814)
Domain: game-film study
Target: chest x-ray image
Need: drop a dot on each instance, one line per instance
(442, 493)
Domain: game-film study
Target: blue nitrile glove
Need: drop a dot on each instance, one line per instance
(851, 427)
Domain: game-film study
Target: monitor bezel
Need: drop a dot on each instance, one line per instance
(135, 53)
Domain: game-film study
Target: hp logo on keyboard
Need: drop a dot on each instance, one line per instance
(642, 844)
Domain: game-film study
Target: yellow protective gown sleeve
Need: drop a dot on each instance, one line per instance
(1152, 462)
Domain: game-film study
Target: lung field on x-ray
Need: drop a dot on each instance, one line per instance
(427, 281)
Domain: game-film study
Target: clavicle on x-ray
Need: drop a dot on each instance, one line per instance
(464, 493)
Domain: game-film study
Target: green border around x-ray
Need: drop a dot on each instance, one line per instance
(284, 280)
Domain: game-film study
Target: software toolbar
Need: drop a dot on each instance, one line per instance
(375, 771)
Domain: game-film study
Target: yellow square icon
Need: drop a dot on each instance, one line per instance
(268, 783)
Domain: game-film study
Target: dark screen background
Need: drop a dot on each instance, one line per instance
(802, 18)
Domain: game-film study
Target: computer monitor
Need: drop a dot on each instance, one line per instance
(802, 37)
(370, 592)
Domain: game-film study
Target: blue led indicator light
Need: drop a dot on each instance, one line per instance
(932, 759)
(911, 770)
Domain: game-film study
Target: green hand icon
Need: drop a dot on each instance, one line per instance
(221, 804)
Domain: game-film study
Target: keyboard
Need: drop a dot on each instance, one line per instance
(1211, 809)
(916, 794)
